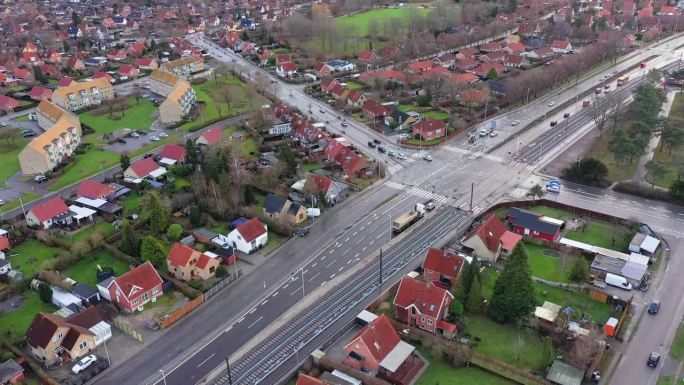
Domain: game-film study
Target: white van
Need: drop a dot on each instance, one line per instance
(618, 281)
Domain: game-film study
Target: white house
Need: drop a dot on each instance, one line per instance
(5, 267)
(286, 69)
(47, 214)
(249, 236)
(561, 46)
(340, 65)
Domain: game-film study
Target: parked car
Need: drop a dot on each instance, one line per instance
(515, 123)
(303, 232)
(493, 133)
(154, 138)
(141, 132)
(653, 359)
(566, 115)
(29, 134)
(321, 111)
(654, 307)
(403, 136)
(163, 135)
(553, 123)
(83, 363)
(371, 144)
(40, 178)
(135, 135)
(552, 103)
(3, 124)
(121, 140)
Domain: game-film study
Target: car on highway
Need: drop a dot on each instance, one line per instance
(552, 103)
(83, 363)
(515, 123)
(653, 359)
(553, 123)
(376, 141)
(2, 202)
(344, 124)
(401, 156)
(493, 133)
(391, 153)
(382, 149)
(566, 115)
(553, 189)
(430, 205)
(321, 111)
(371, 144)
(427, 158)
(654, 307)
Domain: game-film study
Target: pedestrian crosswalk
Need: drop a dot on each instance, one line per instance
(474, 154)
(417, 191)
(394, 168)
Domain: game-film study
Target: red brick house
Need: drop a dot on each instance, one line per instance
(65, 82)
(483, 70)
(322, 70)
(442, 267)
(356, 98)
(140, 285)
(429, 128)
(367, 58)
(146, 63)
(128, 70)
(377, 349)
(8, 104)
(423, 305)
(374, 110)
(491, 240)
(535, 225)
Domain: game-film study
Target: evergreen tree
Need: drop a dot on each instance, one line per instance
(130, 243)
(456, 307)
(513, 297)
(195, 215)
(65, 46)
(125, 161)
(191, 154)
(286, 155)
(152, 250)
(158, 214)
(579, 271)
(492, 74)
(45, 292)
(249, 195)
(474, 304)
(39, 75)
(463, 284)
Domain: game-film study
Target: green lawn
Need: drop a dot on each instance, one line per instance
(31, 256)
(597, 311)
(181, 183)
(435, 115)
(138, 117)
(500, 341)
(603, 235)
(544, 266)
(9, 158)
(549, 212)
(85, 271)
(662, 155)
(22, 118)
(104, 227)
(406, 107)
(130, 203)
(84, 166)
(19, 319)
(312, 166)
(417, 142)
(677, 349)
(600, 150)
(354, 85)
(26, 197)
(441, 372)
(665, 380)
(360, 21)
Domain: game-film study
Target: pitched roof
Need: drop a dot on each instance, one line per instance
(510, 239)
(530, 220)
(251, 230)
(212, 136)
(144, 167)
(274, 204)
(443, 262)
(87, 318)
(180, 254)
(429, 124)
(93, 190)
(44, 327)
(50, 209)
(424, 296)
(164, 77)
(560, 44)
(303, 379)
(318, 183)
(4, 243)
(143, 277)
(490, 232)
(40, 92)
(173, 151)
(79, 86)
(379, 337)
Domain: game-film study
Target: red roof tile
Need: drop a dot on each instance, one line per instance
(510, 239)
(50, 209)
(490, 232)
(424, 296)
(252, 229)
(303, 379)
(4, 243)
(173, 151)
(379, 336)
(93, 190)
(144, 277)
(144, 167)
(180, 254)
(443, 262)
(212, 136)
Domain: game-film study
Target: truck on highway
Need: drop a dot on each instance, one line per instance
(405, 220)
(618, 281)
(622, 80)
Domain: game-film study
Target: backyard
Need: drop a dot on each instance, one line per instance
(31, 256)
(441, 372)
(103, 227)
(602, 234)
(85, 271)
(138, 117)
(19, 319)
(543, 265)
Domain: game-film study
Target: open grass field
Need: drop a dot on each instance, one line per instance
(139, 117)
(9, 153)
(84, 166)
(360, 21)
(600, 150)
(544, 266)
(22, 118)
(18, 320)
(26, 197)
(441, 372)
(500, 341)
(31, 256)
(435, 115)
(597, 311)
(603, 235)
(663, 155)
(85, 271)
(677, 349)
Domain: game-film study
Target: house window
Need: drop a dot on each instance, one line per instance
(422, 318)
(83, 345)
(212, 269)
(145, 297)
(135, 301)
(429, 322)
(58, 337)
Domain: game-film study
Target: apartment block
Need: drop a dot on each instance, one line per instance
(184, 67)
(80, 95)
(61, 138)
(178, 103)
(163, 83)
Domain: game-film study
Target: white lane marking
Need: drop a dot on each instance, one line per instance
(347, 240)
(314, 264)
(297, 290)
(265, 302)
(240, 320)
(314, 276)
(228, 329)
(274, 294)
(286, 285)
(330, 264)
(252, 311)
(379, 236)
(357, 255)
(364, 248)
(255, 322)
(205, 361)
(340, 269)
(332, 276)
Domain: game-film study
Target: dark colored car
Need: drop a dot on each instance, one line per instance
(121, 140)
(371, 144)
(382, 149)
(654, 307)
(566, 115)
(653, 359)
(344, 124)
(376, 141)
(553, 123)
(303, 232)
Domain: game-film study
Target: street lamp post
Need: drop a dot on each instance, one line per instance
(303, 292)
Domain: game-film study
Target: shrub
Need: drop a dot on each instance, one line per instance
(45, 292)
(174, 232)
(588, 170)
(222, 271)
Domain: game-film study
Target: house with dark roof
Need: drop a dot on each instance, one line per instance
(490, 240)
(442, 267)
(377, 350)
(186, 263)
(132, 290)
(11, 373)
(322, 186)
(249, 237)
(423, 305)
(280, 208)
(535, 225)
(50, 213)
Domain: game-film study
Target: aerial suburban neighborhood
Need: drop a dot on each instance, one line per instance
(341, 192)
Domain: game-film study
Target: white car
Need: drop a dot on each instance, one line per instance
(2, 202)
(401, 156)
(163, 135)
(515, 123)
(493, 134)
(427, 158)
(552, 103)
(154, 138)
(83, 363)
(135, 135)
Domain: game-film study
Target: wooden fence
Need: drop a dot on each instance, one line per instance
(122, 325)
(180, 313)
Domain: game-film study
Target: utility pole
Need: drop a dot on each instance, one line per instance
(303, 292)
(472, 188)
(230, 378)
(380, 277)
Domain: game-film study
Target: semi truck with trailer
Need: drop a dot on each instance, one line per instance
(405, 220)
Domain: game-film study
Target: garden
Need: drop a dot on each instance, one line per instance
(440, 372)
(139, 115)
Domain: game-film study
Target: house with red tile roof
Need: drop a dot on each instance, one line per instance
(445, 60)
(493, 57)
(423, 305)
(128, 70)
(366, 59)
(40, 93)
(467, 53)
(172, 154)
(465, 64)
(94, 190)
(429, 128)
(377, 349)
(51, 71)
(464, 78)
(282, 59)
(23, 74)
(486, 241)
(186, 263)
(8, 104)
(322, 186)
(49, 213)
(137, 287)
(353, 164)
(386, 75)
(117, 55)
(144, 168)
(356, 98)
(304, 379)
(473, 97)
(29, 47)
(136, 49)
(339, 92)
(491, 47)
(249, 236)
(514, 61)
(483, 69)
(287, 69)
(146, 63)
(561, 46)
(322, 70)
(374, 110)
(53, 339)
(74, 63)
(328, 83)
(65, 82)
(5, 243)
(442, 267)
(420, 66)
(210, 137)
